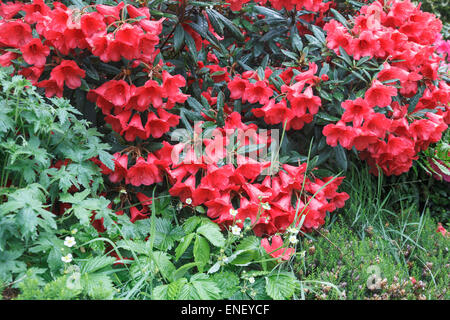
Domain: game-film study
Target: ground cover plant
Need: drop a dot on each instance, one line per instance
(223, 150)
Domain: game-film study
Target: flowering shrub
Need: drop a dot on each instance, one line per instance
(233, 107)
(417, 109)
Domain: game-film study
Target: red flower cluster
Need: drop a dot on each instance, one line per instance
(102, 32)
(235, 191)
(124, 106)
(294, 103)
(384, 128)
(232, 193)
(310, 5)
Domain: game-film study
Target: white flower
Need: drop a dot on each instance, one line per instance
(67, 259)
(225, 259)
(233, 212)
(266, 206)
(69, 242)
(292, 230)
(188, 201)
(293, 239)
(251, 280)
(266, 220)
(74, 231)
(236, 230)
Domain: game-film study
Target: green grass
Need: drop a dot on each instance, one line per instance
(382, 230)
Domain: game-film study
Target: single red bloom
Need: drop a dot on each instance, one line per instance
(135, 129)
(380, 95)
(203, 194)
(219, 206)
(68, 73)
(35, 11)
(355, 111)
(257, 92)
(150, 93)
(35, 53)
(363, 138)
(32, 73)
(143, 173)
(377, 123)
(364, 46)
(51, 88)
(155, 126)
(120, 168)
(15, 34)
(7, 57)
(302, 101)
(441, 229)
(137, 214)
(116, 92)
(92, 23)
(111, 13)
(339, 133)
(8, 10)
(144, 200)
(118, 122)
(277, 243)
(172, 84)
(183, 190)
(237, 87)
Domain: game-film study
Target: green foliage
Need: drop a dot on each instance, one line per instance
(45, 152)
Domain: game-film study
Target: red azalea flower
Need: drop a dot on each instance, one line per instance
(115, 91)
(155, 126)
(143, 173)
(35, 53)
(7, 57)
(120, 168)
(135, 129)
(144, 200)
(302, 101)
(203, 194)
(275, 113)
(237, 87)
(92, 23)
(137, 214)
(219, 206)
(339, 133)
(152, 93)
(32, 73)
(377, 123)
(15, 34)
(118, 122)
(364, 46)
(441, 229)
(51, 88)
(8, 10)
(172, 84)
(111, 13)
(362, 138)
(257, 92)
(380, 95)
(277, 242)
(183, 190)
(355, 111)
(67, 72)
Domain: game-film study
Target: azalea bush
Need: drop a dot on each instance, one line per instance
(244, 113)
